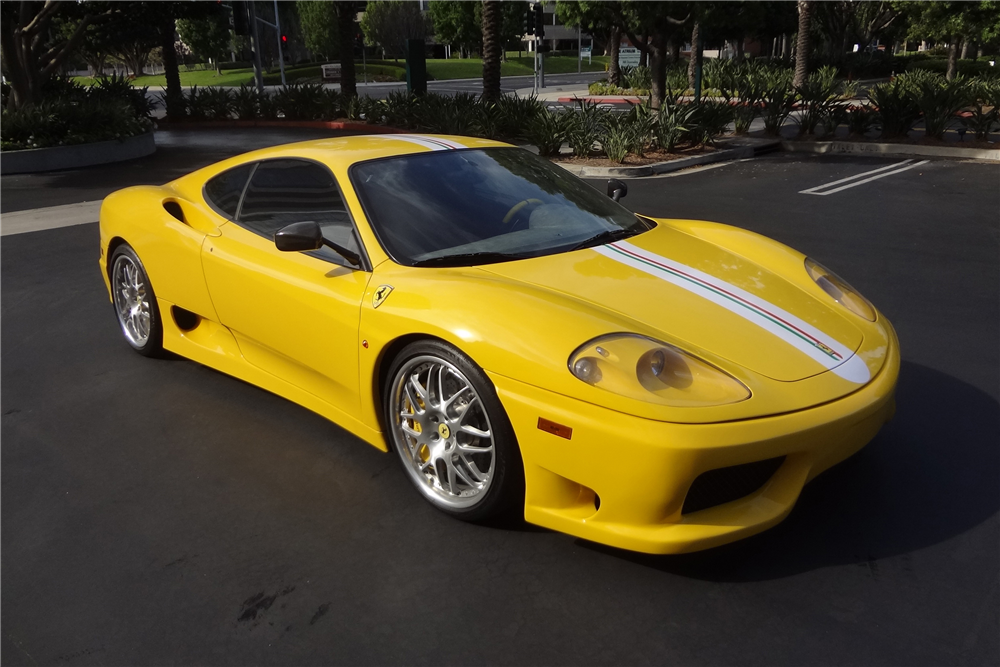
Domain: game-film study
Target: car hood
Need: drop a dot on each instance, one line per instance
(705, 299)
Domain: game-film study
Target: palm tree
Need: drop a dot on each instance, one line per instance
(802, 44)
(346, 13)
(492, 48)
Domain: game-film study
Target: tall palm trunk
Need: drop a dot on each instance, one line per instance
(346, 13)
(492, 44)
(614, 46)
(693, 61)
(802, 44)
(174, 97)
(952, 59)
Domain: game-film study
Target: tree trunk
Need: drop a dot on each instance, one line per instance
(658, 65)
(695, 52)
(674, 47)
(802, 43)
(173, 97)
(614, 69)
(738, 50)
(346, 12)
(965, 50)
(492, 17)
(785, 55)
(952, 60)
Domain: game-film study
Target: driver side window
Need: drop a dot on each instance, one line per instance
(282, 192)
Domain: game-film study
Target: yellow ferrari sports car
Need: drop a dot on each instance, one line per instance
(520, 340)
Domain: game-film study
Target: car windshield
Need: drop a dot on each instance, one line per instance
(465, 207)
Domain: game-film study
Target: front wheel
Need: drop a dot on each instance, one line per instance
(135, 303)
(452, 434)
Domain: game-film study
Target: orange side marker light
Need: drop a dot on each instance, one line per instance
(554, 428)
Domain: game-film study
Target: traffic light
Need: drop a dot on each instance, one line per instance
(539, 20)
(241, 24)
(529, 21)
(284, 39)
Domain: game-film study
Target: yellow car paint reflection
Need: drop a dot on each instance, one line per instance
(799, 378)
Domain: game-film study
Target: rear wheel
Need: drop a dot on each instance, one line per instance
(135, 303)
(452, 434)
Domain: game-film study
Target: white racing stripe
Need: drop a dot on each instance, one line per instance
(433, 143)
(814, 191)
(50, 217)
(809, 340)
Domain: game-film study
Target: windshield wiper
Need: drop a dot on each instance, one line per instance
(607, 236)
(476, 257)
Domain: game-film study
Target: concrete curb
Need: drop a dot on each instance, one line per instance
(901, 150)
(79, 155)
(736, 152)
(315, 124)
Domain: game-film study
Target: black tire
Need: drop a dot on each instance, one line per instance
(130, 284)
(503, 495)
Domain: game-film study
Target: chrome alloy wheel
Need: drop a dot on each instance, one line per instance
(131, 302)
(443, 432)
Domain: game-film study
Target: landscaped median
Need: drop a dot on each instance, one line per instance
(75, 126)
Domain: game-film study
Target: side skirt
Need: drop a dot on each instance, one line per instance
(213, 345)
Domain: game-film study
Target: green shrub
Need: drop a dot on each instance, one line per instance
(985, 110)
(897, 112)
(963, 67)
(709, 120)
(196, 102)
(300, 101)
(642, 120)
(777, 100)
(637, 78)
(939, 101)
(860, 119)
(331, 104)
(617, 137)
(218, 103)
(548, 131)
(819, 96)
(236, 65)
(672, 124)
(245, 102)
(585, 128)
(63, 122)
(120, 87)
(517, 115)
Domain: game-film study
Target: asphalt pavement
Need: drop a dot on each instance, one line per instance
(158, 512)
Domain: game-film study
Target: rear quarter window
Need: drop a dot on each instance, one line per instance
(223, 192)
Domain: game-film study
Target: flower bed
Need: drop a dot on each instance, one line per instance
(70, 114)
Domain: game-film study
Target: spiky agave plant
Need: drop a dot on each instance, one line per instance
(985, 110)
(548, 131)
(939, 100)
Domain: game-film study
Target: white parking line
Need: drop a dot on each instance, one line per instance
(50, 217)
(813, 191)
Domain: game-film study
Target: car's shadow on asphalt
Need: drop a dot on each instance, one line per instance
(930, 475)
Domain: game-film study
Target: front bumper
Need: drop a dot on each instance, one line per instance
(641, 470)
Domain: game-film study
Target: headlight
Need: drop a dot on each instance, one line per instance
(841, 292)
(648, 370)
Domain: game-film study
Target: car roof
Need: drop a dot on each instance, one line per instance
(339, 153)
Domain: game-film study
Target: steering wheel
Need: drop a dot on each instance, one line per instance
(518, 206)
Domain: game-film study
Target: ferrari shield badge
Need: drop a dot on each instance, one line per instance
(381, 294)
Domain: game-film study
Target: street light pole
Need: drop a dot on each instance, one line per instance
(255, 35)
(277, 30)
(579, 49)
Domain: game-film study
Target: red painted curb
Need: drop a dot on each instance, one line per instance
(601, 100)
(316, 124)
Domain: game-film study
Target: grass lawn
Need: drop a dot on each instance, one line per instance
(439, 70)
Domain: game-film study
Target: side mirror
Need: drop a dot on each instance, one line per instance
(616, 189)
(299, 236)
(304, 236)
